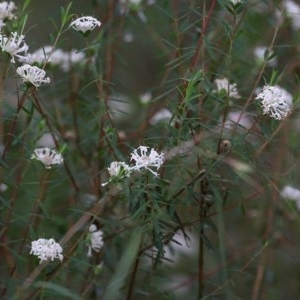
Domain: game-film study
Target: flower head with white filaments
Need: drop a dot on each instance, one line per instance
(143, 160)
(94, 239)
(275, 101)
(33, 75)
(46, 250)
(47, 157)
(117, 170)
(6, 11)
(13, 45)
(230, 89)
(85, 24)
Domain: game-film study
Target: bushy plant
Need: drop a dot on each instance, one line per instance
(149, 149)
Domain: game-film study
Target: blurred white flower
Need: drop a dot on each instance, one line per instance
(145, 160)
(95, 240)
(275, 101)
(46, 140)
(13, 45)
(47, 157)
(290, 193)
(244, 121)
(72, 58)
(6, 9)
(3, 187)
(230, 89)
(55, 57)
(234, 2)
(117, 170)
(120, 108)
(128, 37)
(292, 11)
(33, 75)
(136, 5)
(130, 2)
(259, 53)
(179, 246)
(43, 55)
(146, 97)
(85, 24)
(163, 115)
(46, 250)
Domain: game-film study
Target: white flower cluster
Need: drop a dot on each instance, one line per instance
(230, 89)
(85, 24)
(117, 171)
(13, 45)
(118, 168)
(46, 250)
(55, 57)
(275, 101)
(47, 157)
(143, 160)
(95, 240)
(32, 75)
(6, 12)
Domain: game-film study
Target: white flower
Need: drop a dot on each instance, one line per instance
(3, 187)
(55, 57)
(46, 250)
(6, 9)
(47, 157)
(143, 160)
(163, 115)
(136, 5)
(85, 24)
(291, 193)
(95, 240)
(117, 170)
(275, 101)
(128, 37)
(72, 58)
(292, 11)
(145, 98)
(46, 54)
(230, 89)
(13, 45)
(243, 120)
(33, 75)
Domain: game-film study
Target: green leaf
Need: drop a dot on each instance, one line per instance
(124, 266)
(57, 289)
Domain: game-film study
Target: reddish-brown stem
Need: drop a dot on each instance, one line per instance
(203, 31)
(44, 115)
(132, 277)
(14, 124)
